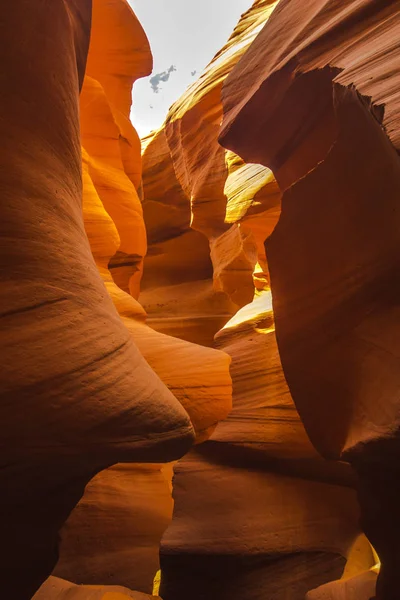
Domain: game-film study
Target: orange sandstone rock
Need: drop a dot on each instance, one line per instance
(177, 290)
(208, 174)
(321, 109)
(199, 377)
(77, 396)
(241, 530)
(59, 589)
(194, 189)
(228, 537)
(360, 587)
(113, 535)
(254, 505)
(119, 55)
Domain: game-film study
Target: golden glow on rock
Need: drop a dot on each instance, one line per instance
(215, 73)
(259, 313)
(377, 566)
(157, 583)
(242, 184)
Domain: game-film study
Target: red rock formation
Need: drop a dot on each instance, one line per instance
(301, 163)
(360, 587)
(119, 55)
(321, 108)
(113, 535)
(77, 395)
(109, 195)
(258, 511)
(246, 551)
(187, 182)
(243, 529)
(126, 508)
(59, 589)
(177, 288)
(211, 177)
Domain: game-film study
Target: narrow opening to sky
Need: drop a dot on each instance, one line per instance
(184, 36)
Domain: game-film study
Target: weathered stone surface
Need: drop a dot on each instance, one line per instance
(346, 131)
(218, 529)
(113, 535)
(194, 190)
(311, 106)
(333, 257)
(119, 55)
(236, 496)
(59, 589)
(264, 431)
(361, 587)
(76, 395)
(202, 169)
(242, 531)
(199, 377)
(264, 419)
(177, 290)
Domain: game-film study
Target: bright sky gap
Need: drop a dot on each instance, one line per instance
(184, 36)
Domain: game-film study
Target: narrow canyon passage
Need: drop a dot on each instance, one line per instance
(200, 381)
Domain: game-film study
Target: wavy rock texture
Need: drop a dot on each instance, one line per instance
(311, 122)
(360, 587)
(64, 346)
(177, 289)
(188, 179)
(235, 494)
(202, 382)
(256, 511)
(119, 55)
(333, 257)
(113, 535)
(59, 589)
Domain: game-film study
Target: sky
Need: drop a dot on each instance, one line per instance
(184, 36)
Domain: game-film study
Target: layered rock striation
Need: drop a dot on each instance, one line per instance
(241, 296)
(59, 589)
(113, 535)
(188, 179)
(193, 185)
(320, 107)
(77, 394)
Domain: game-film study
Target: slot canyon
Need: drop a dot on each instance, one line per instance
(200, 327)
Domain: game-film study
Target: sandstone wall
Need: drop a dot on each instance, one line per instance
(77, 394)
(246, 501)
(321, 109)
(113, 535)
(241, 295)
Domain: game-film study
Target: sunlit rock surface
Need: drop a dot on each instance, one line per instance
(188, 180)
(239, 529)
(156, 317)
(346, 127)
(360, 587)
(77, 395)
(113, 535)
(334, 256)
(199, 377)
(177, 289)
